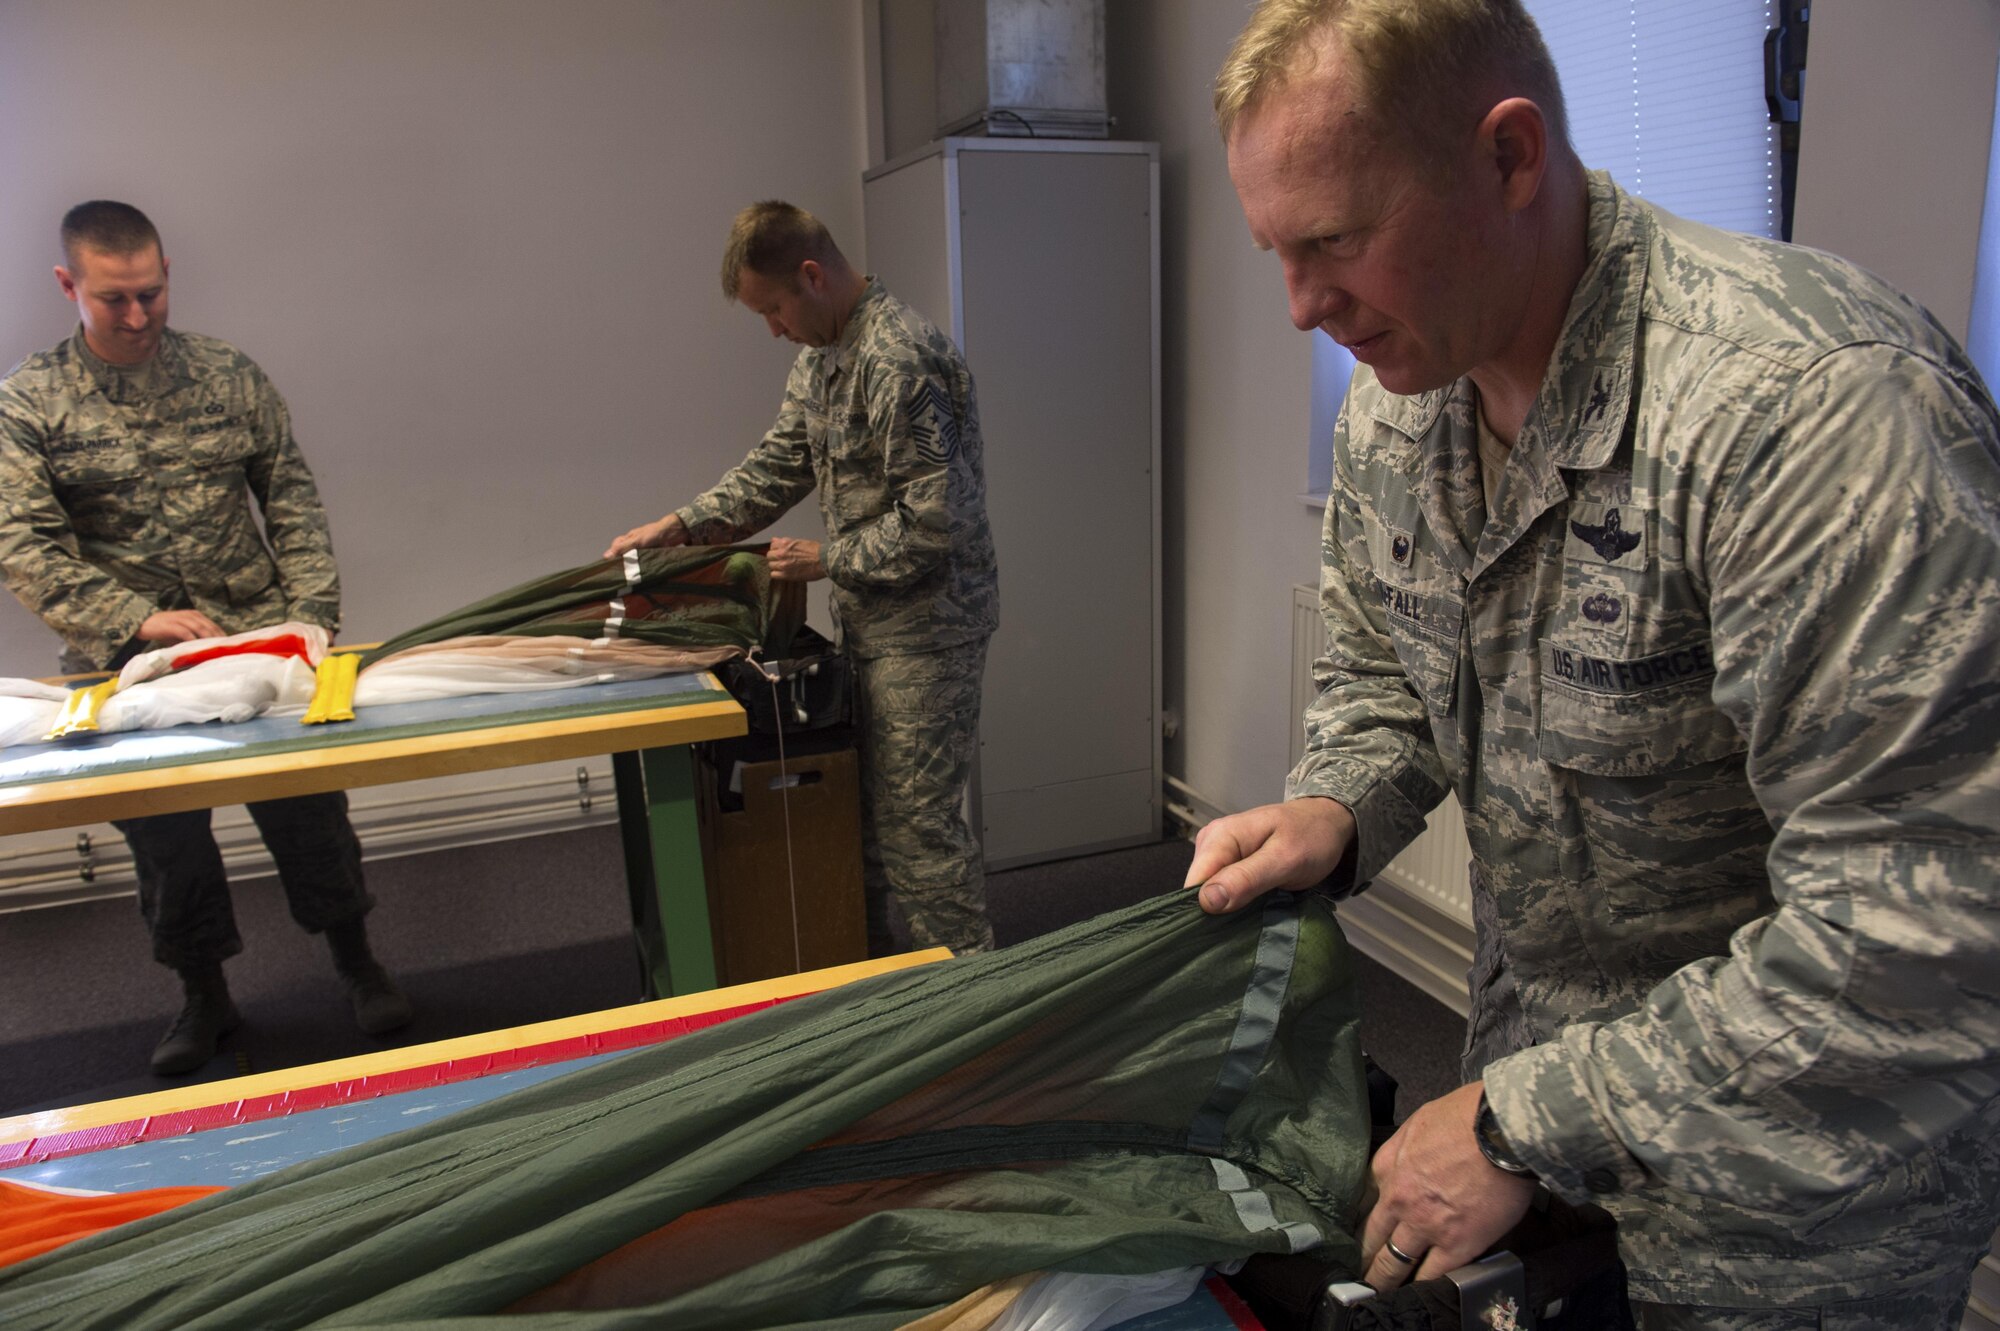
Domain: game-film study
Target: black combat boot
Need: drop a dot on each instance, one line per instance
(379, 1006)
(206, 1016)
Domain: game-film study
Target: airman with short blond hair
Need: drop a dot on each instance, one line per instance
(1671, 553)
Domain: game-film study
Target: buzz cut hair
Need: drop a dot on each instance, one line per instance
(1427, 70)
(771, 239)
(108, 227)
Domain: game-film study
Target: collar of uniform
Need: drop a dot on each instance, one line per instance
(1413, 415)
(842, 354)
(1587, 392)
(164, 372)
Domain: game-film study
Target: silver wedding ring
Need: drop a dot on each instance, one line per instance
(1398, 1253)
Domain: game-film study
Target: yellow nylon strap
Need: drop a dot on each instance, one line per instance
(79, 710)
(333, 690)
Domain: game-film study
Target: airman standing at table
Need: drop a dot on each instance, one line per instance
(128, 456)
(880, 417)
(1673, 553)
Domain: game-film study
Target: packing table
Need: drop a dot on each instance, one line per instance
(646, 725)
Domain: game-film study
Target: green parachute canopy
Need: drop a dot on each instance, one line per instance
(1153, 1088)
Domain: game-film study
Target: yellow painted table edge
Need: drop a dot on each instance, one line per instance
(201, 1095)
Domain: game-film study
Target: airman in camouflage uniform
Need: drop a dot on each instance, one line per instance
(880, 418)
(128, 492)
(128, 457)
(1708, 660)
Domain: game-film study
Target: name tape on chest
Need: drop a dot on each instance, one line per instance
(208, 425)
(83, 445)
(1432, 615)
(1598, 674)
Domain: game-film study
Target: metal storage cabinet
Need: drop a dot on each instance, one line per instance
(1041, 258)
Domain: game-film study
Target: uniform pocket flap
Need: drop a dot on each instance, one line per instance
(250, 580)
(226, 445)
(1634, 734)
(1425, 629)
(91, 459)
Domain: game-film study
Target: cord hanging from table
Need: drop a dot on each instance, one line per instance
(785, 806)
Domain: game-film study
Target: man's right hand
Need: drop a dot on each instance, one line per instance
(669, 530)
(178, 626)
(1291, 845)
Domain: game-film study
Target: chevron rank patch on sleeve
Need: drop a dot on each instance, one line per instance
(933, 424)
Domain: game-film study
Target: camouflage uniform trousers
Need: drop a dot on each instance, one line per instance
(184, 893)
(919, 723)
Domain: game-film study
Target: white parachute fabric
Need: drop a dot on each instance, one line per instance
(248, 678)
(498, 663)
(227, 689)
(28, 708)
(271, 670)
(1090, 1301)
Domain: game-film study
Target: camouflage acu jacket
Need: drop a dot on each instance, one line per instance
(884, 423)
(1717, 683)
(125, 491)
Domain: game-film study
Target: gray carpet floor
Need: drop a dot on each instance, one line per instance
(485, 937)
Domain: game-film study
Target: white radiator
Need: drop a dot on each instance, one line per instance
(1435, 868)
(39, 869)
(1308, 641)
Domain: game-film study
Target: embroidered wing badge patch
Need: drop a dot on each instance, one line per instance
(1611, 540)
(933, 424)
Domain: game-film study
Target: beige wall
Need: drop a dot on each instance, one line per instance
(908, 65)
(1236, 382)
(474, 242)
(1898, 114)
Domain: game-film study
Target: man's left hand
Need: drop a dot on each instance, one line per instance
(1437, 1197)
(795, 561)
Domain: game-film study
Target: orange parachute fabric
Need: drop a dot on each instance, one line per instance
(35, 1220)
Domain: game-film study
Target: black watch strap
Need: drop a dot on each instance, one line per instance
(1493, 1143)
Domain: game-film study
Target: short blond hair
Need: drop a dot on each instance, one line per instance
(1421, 64)
(772, 239)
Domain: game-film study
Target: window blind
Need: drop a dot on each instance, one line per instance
(1982, 339)
(1666, 95)
(1669, 98)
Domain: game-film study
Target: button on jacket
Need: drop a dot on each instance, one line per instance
(1715, 682)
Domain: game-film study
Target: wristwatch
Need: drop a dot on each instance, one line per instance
(1493, 1143)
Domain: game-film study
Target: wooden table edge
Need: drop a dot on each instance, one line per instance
(202, 1095)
